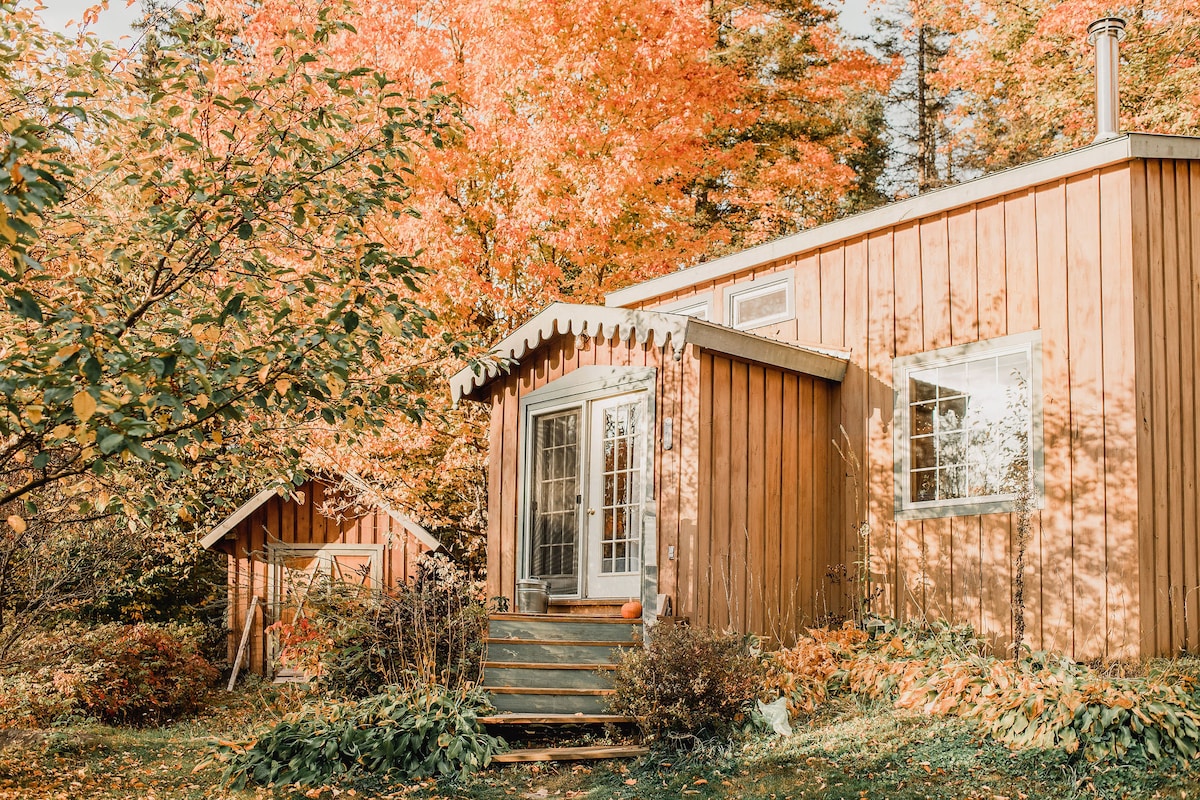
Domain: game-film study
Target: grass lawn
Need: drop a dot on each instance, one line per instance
(848, 751)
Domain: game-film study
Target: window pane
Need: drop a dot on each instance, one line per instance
(969, 427)
(922, 419)
(922, 386)
(752, 307)
(924, 452)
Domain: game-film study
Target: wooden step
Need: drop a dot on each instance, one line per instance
(555, 719)
(548, 676)
(563, 618)
(579, 651)
(563, 628)
(541, 700)
(545, 665)
(569, 754)
(534, 690)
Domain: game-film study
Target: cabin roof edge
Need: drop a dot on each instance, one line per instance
(1083, 159)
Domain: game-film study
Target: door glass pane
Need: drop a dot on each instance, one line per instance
(554, 514)
(621, 531)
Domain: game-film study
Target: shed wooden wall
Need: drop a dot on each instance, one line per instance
(560, 356)
(1166, 219)
(766, 549)
(283, 520)
(1056, 256)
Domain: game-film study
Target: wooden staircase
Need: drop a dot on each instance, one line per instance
(550, 668)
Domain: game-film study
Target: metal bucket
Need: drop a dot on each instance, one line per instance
(533, 596)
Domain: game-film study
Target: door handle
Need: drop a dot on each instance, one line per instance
(591, 512)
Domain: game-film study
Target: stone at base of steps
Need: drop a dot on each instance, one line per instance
(569, 754)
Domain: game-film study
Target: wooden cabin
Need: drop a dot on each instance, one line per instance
(684, 444)
(280, 546)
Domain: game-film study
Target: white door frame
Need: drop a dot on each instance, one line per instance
(582, 389)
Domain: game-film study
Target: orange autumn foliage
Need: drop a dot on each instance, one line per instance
(601, 143)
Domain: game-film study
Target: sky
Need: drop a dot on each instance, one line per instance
(114, 23)
(855, 17)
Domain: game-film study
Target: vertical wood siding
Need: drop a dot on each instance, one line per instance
(1059, 257)
(1165, 249)
(283, 520)
(768, 559)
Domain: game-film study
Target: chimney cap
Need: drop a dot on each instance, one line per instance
(1104, 25)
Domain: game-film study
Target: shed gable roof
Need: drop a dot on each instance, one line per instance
(665, 329)
(254, 503)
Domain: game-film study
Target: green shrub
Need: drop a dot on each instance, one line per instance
(428, 630)
(688, 683)
(408, 734)
(139, 674)
(118, 674)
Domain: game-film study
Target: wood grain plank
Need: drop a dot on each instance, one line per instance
(756, 558)
(935, 283)
(1192, 595)
(1120, 423)
(884, 568)
(964, 292)
(808, 514)
(992, 275)
(666, 481)
(826, 557)
(935, 534)
(1084, 320)
(789, 520)
(910, 339)
(853, 417)
(773, 485)
(908, 300)
(735, 572)
(717, 556)
(808, 298)
(1056, 624)
(695, 455)
(508, 498)
(1172, 368)
(1021, 260)
(495, 528)
(1143, 351)
(1159, 423)
(833, 296)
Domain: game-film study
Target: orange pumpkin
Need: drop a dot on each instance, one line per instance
(631, 610)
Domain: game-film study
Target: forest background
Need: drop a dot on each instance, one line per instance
(250, 242)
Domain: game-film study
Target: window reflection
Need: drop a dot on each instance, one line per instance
(969, 427)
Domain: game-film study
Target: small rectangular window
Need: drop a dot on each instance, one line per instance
(967, 426)
(761, 303)
(699, 307)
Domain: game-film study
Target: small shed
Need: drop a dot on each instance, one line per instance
(278, 545)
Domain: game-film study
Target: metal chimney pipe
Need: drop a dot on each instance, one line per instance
(1104, 34)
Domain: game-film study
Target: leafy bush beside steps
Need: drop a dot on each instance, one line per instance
(404, 733)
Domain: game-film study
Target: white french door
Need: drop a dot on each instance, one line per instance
(614, 511)
(587, 489)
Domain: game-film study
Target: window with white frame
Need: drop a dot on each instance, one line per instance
(699, 306)
(760, 303)
(967, 427)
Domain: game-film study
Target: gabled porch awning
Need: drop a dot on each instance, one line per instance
(665, 329)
